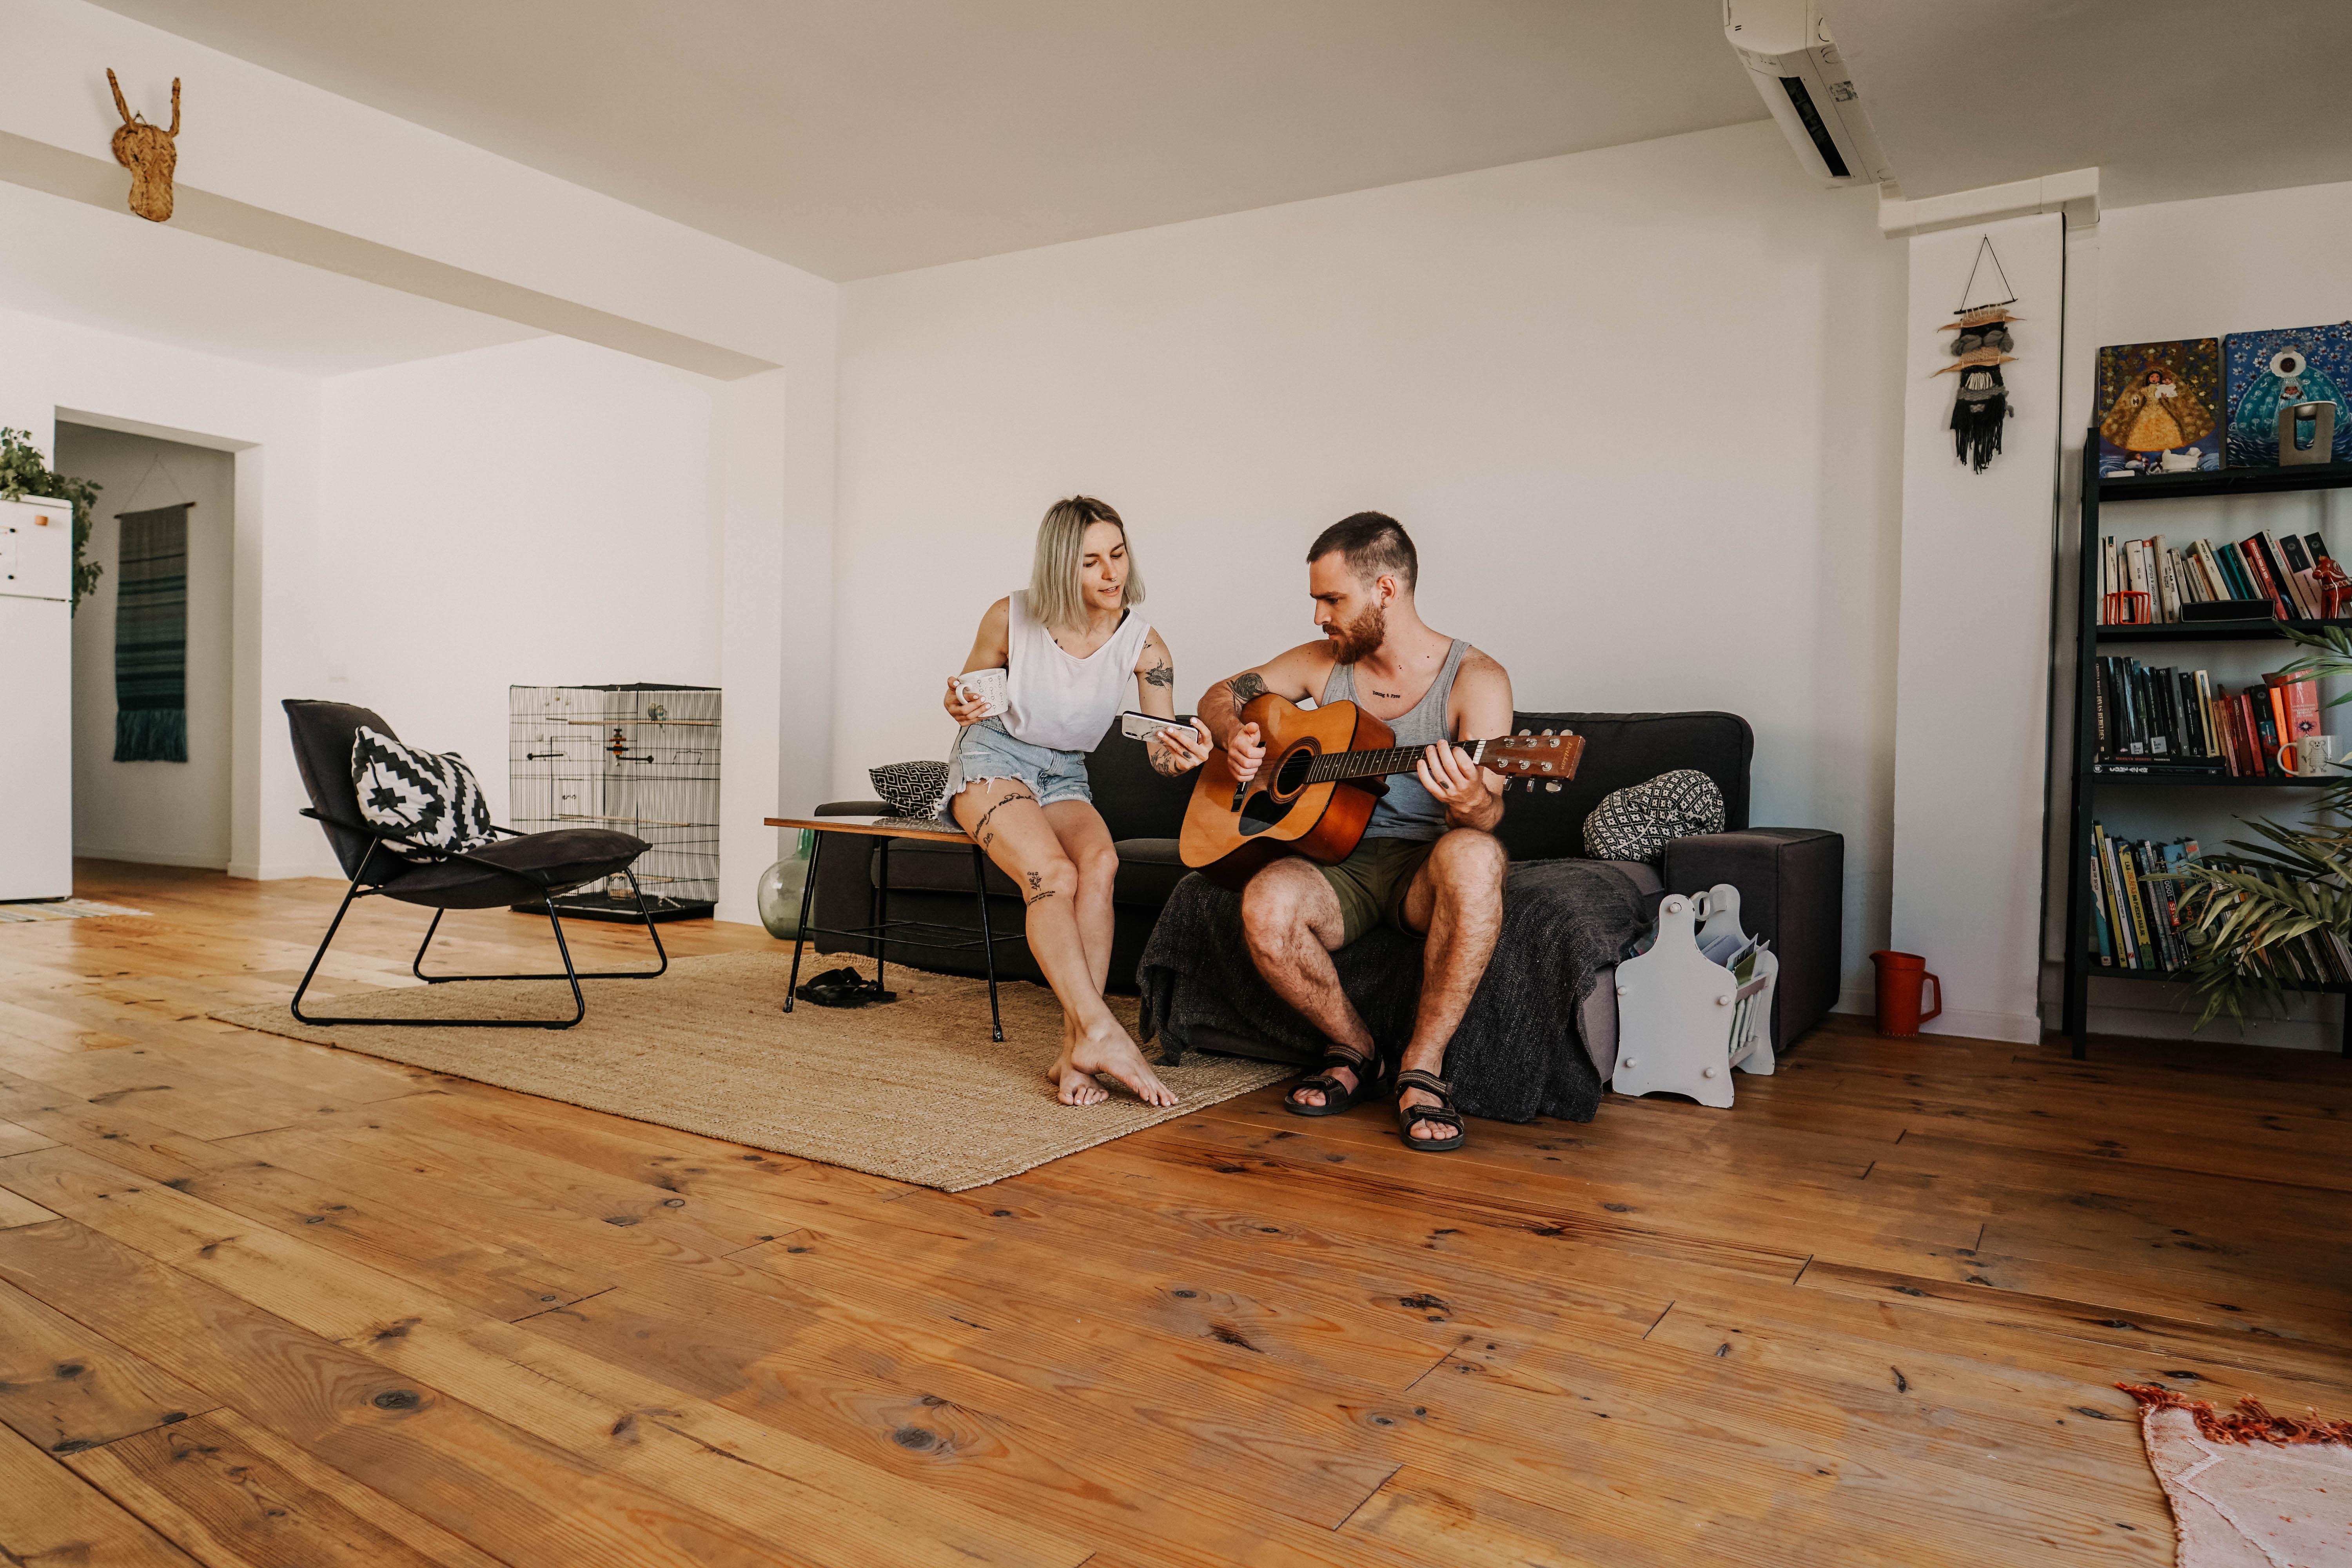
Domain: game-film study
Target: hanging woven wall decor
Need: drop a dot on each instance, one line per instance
(1980, 345)
(150, 153)
(150, 637)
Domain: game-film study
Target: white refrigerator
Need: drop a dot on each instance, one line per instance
(36, 716)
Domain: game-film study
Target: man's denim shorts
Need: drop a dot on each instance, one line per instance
(984, 751)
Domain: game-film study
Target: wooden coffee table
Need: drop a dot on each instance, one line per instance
(880, 929)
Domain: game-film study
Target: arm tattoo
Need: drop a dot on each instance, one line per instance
(1163, 761)
(1245, 688)
(1160, 674)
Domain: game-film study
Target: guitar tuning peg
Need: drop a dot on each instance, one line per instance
(1546, 732)
(1551, 786)
(1526, 731)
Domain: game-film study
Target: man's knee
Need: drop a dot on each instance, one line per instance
(1273, 909)
(1469, 860)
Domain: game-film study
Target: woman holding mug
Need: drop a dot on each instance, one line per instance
(1068, 645)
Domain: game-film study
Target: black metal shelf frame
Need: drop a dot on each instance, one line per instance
(2087, 777)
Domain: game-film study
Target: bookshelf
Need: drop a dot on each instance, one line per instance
(2088, 777)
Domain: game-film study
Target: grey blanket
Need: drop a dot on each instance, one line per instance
(1518, 1053)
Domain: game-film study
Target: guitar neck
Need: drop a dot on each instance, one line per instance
(1334, 765)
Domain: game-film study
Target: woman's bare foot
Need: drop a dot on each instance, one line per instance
(1073, 1085)
(1110, 1050)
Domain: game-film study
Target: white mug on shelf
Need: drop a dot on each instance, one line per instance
(2308, 755)
(989, 685)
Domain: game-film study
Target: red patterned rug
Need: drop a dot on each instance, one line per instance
(2250, 1490)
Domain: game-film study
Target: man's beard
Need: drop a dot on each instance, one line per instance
(1359, 637)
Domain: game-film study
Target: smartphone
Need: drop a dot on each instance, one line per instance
(1143, 726)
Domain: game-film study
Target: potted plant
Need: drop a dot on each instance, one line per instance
(25, 472)
(2246, 915)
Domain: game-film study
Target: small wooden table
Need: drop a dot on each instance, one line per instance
(881, 929)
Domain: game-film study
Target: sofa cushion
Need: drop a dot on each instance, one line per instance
(1136, 800)
(1148, 870)
(1624, 749)
(1638, 822)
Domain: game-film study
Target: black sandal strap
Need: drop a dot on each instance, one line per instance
(1427, 1082)
(1325, 1084)
(1354, 1060)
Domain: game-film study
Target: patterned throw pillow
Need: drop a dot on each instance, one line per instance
(919, 790)
(1638, 822)
(431, 798)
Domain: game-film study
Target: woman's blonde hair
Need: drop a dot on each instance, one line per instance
(1054, 596)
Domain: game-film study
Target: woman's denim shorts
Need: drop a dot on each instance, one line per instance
(985, 750)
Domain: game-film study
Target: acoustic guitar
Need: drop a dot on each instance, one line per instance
(1322, 773)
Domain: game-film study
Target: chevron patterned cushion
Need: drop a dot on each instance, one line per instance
(428, 797)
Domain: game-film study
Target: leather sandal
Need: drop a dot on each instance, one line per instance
(1337, 1096)
(1441, 1114)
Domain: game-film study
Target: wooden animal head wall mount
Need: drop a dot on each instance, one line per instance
(150, 153)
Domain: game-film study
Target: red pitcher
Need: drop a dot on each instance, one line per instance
(1901, 978)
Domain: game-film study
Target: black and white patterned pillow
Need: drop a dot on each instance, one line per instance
(429, 797)
(1638, 822)
(919, 790)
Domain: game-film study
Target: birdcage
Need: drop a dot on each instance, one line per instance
(641, 759)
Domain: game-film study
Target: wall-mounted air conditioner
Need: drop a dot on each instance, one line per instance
(1786, 47)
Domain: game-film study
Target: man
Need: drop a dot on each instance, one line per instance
(1429, 862)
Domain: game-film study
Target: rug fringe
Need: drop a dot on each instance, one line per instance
(2252, 1423)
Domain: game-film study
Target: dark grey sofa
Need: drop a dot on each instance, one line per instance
(1791, 879)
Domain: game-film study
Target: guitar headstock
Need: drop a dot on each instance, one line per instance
(1547, 756)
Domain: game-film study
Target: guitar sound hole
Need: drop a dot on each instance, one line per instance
(1260, 812)
(1291, 777)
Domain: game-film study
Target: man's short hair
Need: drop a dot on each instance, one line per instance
(1373, 543)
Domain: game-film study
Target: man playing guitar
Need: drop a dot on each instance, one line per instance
(1429, 862)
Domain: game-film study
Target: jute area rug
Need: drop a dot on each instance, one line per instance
(912, 1090)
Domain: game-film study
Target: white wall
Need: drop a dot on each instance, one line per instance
(1973, 676)
(271, 420)
(1640, 409)
(541, 514)
(2207, 268)
(168, 813)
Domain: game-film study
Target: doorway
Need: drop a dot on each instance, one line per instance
(158, 813)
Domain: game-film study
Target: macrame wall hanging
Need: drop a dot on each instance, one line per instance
(1980, 345)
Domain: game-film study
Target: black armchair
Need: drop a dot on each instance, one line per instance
(523, 869)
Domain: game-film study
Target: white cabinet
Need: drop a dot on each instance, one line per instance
(36, 700)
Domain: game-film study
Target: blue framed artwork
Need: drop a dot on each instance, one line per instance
(2284, 369)
(2160, 407)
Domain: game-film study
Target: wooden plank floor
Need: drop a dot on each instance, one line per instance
(267, 1303)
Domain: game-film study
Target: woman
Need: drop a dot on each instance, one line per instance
(1017, 784)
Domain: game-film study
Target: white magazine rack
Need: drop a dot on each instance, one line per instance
(1683, 1019)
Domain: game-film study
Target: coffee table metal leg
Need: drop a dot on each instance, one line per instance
(987, 940)
(882, 925)
(800, 932)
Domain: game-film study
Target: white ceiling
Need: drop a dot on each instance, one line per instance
(858, 137)
(121, 274)
(2168, 99)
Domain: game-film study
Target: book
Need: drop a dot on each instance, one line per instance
(2297, 701)
(2102, 943)
(2280, 569)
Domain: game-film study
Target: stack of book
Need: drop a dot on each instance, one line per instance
(2144, 583)
(2177, 721)
(2136, 917)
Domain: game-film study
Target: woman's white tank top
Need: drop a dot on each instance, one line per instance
(1059, 702)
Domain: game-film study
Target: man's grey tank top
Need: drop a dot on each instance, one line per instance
(1407, 811)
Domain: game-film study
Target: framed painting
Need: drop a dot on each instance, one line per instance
(2159, 408)
(2291, 368)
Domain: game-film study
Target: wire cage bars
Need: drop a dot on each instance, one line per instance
(640, 758)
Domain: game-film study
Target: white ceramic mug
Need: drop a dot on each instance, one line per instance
(989, 685)
(2307, 754)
